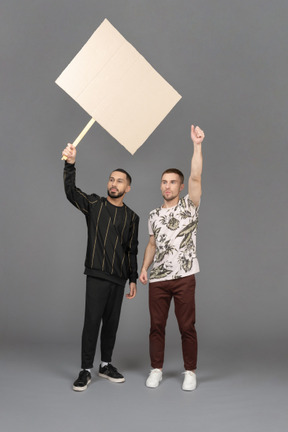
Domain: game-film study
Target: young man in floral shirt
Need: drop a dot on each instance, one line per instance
(172, 249)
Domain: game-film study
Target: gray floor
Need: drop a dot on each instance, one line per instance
(238, 390)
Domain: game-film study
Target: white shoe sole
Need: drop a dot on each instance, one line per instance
(116, 380)
(189, 389)
(80, 389)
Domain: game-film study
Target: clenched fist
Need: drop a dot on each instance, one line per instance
(70, 153)
(197, 134)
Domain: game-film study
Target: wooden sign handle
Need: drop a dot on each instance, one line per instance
(81, 135)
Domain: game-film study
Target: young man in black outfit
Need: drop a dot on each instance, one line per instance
(111, 259)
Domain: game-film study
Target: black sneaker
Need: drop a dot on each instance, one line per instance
(111, 373)
(82, 381)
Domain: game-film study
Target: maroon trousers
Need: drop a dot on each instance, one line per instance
(160, 296)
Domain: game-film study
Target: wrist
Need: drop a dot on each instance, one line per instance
(69, 163)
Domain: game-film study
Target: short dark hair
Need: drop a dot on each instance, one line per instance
(174, 171)
(129, 178)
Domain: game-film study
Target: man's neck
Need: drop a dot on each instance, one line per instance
(118, 202)
(172, 203)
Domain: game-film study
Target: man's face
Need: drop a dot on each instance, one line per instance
(117, 185)
(171, 186)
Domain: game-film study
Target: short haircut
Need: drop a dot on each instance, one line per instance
(129, 178)
(174, 171)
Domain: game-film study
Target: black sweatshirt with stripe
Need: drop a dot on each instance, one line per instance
(112, 243)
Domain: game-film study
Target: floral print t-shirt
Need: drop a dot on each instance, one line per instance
(174, 230)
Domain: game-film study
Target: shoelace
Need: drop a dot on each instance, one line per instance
(112, 368)
(156, 371)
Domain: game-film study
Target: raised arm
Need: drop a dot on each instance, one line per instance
(148, 259)
(194, 185)
(77, 197)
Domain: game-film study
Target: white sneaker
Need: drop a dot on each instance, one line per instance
(190, 382)
(154, 378)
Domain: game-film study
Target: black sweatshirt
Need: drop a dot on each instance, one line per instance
(112, 244)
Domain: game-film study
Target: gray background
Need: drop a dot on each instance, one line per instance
(228, 59)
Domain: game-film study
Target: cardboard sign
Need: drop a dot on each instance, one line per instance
(118, 88)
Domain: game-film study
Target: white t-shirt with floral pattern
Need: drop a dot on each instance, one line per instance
(174, 230)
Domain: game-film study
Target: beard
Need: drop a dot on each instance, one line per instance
(169, 198)
(115, 194)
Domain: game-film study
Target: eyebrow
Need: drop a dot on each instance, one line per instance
(116, 178)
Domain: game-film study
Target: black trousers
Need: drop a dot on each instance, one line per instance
(103, 303)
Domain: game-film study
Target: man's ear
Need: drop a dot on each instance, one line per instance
(182, 186)
(128, 188)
